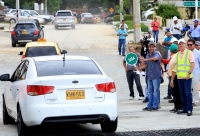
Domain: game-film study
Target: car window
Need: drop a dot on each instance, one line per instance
(24, 71)
(17, 73)
(25, 14)
(40, 51)
(67, 67)
(64, 14)
(25, 26)
(33, 13)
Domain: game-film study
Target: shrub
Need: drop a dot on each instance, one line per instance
(150, 16)
(126, 17)
(144, 28)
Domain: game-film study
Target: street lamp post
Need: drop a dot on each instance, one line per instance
(136, 20)
(18, 10)
(46, 7)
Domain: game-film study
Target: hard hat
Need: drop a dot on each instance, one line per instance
(175, 18)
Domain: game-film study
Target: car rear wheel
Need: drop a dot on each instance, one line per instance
(110, 126)
(21, 127)
(56, 27)
(13, 44)
(12, 20)
(6, 118)
(73, 27)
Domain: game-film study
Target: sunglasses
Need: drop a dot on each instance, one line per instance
(189, 44)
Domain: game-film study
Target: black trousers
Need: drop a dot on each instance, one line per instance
(176, 95)
(131, 76)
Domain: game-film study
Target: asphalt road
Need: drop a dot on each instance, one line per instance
(98, 41)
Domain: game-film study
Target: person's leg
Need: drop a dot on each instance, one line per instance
(169, 91)
(138, 84)
(195, 89)
(182, 93)
(123, 48)
(178, 36)
(154, 35)
(177, 97)
(150, 89)
(156, 93)
(157, 32)
(188, 92)
(129, 76)
(119, 47)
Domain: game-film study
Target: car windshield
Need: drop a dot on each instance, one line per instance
(40, 51)
(25, 26)
(64, 14)
(67, 67)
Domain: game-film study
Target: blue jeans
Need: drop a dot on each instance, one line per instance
(154, 93)
(177, 36)
(196, 38)
(122, 46)
(155, 36)
(185, 87)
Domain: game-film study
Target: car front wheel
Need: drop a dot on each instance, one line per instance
(13, 44)
(110, 126)
(6, 118)
(73, 27)
(21, 127)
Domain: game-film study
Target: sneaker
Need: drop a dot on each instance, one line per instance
(131, 98)
(173, 110)
(154, 109)
(119, 53)
(145, 100)
(167, 97)
(146, 109)
(123, 55)
(189, 113)
(182, 112)
(171, 101)
(141, 98)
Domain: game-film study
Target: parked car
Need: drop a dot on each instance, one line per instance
(23, 16)
(64, 18)
(87, 18)
(26, 31)
(41, 48)
(53, 89)
(145, 14)
(109, 18)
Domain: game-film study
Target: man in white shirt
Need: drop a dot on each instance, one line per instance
(197, 45)
(125, 25)
(176, 28)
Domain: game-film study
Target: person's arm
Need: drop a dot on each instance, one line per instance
(143, 65)
(180, 27)
(118, 33)
(152, 59)
(125, 66)
(165, 61)
(172, 79)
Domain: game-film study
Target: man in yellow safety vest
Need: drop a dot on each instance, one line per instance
(185, 65)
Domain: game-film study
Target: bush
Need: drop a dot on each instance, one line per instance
(150, 16)
(126, 17)
(144, 28)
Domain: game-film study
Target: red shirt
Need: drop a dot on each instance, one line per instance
(155, 25)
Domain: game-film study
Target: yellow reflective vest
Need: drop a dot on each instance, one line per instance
(183, 65)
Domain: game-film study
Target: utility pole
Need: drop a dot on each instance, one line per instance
(196, 9)
(136, 20)
(18, 10)
(46, 7)
(121, 8)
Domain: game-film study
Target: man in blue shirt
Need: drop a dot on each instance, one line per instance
(153, 71)
(122, 33)
(195, 72)
(195, 30)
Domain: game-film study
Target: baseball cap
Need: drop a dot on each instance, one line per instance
(197, 43)
(174, 39)
(173, 48)
(196, 20)
(175, 18)
(181, 40)
(151, 43)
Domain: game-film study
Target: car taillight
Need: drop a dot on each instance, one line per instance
(4, 16)
(106, 87)
(35, 90)
(13, 32)
(36, 32)
(23, 56)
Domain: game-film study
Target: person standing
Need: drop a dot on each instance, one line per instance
(125, 25)
(155, 29)
(122, 33)
(195, 30)
(195, 72)
(152, 64)
(197, 45)
(132, 75)
(174, 82)
(176, 28)
(185, 65)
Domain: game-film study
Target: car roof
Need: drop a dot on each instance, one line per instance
(64, 11)
(59, 57)
(33, 44)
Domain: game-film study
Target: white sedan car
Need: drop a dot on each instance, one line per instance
(147, 13)
(11, 17)
(52, 89)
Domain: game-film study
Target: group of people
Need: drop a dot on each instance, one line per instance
(182, 65)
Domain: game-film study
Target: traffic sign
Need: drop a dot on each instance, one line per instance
(111, 10)
(131, 58)
(190, 4)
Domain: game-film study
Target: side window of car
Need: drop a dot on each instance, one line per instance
(24, 71)
(17, 73)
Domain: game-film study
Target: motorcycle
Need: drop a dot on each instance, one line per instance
(185, 30)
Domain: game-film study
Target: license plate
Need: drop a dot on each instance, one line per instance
(75, 94)
(64, 19)
(24, 32)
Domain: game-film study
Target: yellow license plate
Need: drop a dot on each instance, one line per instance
(75, 94)
(64, 19)
(24, 32)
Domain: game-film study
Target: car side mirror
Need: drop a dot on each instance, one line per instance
(5, 77)
(42, 26)
(20, 53)
(64, 52)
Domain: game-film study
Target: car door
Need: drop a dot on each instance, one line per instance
(14, 88)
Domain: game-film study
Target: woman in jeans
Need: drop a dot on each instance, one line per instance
(155, 29)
